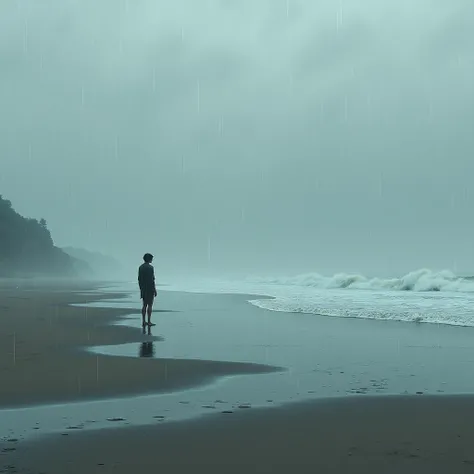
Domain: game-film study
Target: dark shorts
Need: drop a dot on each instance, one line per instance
(148, 297)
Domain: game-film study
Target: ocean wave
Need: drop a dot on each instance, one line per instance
(422, 296)
(423, 280)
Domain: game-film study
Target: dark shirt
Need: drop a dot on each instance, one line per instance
(146, 278)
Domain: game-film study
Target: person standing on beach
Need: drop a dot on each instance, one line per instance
(146, 282)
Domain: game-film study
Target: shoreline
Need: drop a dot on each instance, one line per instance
(322, 302)
(113, 336)
(335, 407)
(45, 350)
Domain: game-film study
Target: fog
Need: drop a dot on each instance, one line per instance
(244, 136)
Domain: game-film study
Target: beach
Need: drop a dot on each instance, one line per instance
(41, 356)
(357, 435)
(288, 182)
(244, 387)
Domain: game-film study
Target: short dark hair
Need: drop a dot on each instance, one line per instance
(148, 257)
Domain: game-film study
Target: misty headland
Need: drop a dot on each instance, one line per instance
(27, 250)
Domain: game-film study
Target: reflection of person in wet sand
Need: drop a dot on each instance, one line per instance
(147, 348)
(146, 282)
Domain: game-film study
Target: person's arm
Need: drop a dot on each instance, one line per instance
(140, 279)
(154, 284)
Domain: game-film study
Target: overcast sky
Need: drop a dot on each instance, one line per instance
(266, 135)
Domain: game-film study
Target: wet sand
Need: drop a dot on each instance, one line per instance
(325, 357)
(41, 360)
(350, 435)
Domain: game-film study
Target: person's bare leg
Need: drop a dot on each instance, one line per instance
(143, 314)
(149, 311)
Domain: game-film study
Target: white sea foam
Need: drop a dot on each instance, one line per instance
(422, 296)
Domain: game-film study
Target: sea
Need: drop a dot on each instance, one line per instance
(421, 296)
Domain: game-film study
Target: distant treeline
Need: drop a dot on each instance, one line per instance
(27, 248)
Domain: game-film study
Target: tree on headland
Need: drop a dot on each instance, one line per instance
(27, 247)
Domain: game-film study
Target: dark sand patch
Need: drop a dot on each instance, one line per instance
(410, 435)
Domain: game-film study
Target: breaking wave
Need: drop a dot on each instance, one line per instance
(420, 280)
(422, 296)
